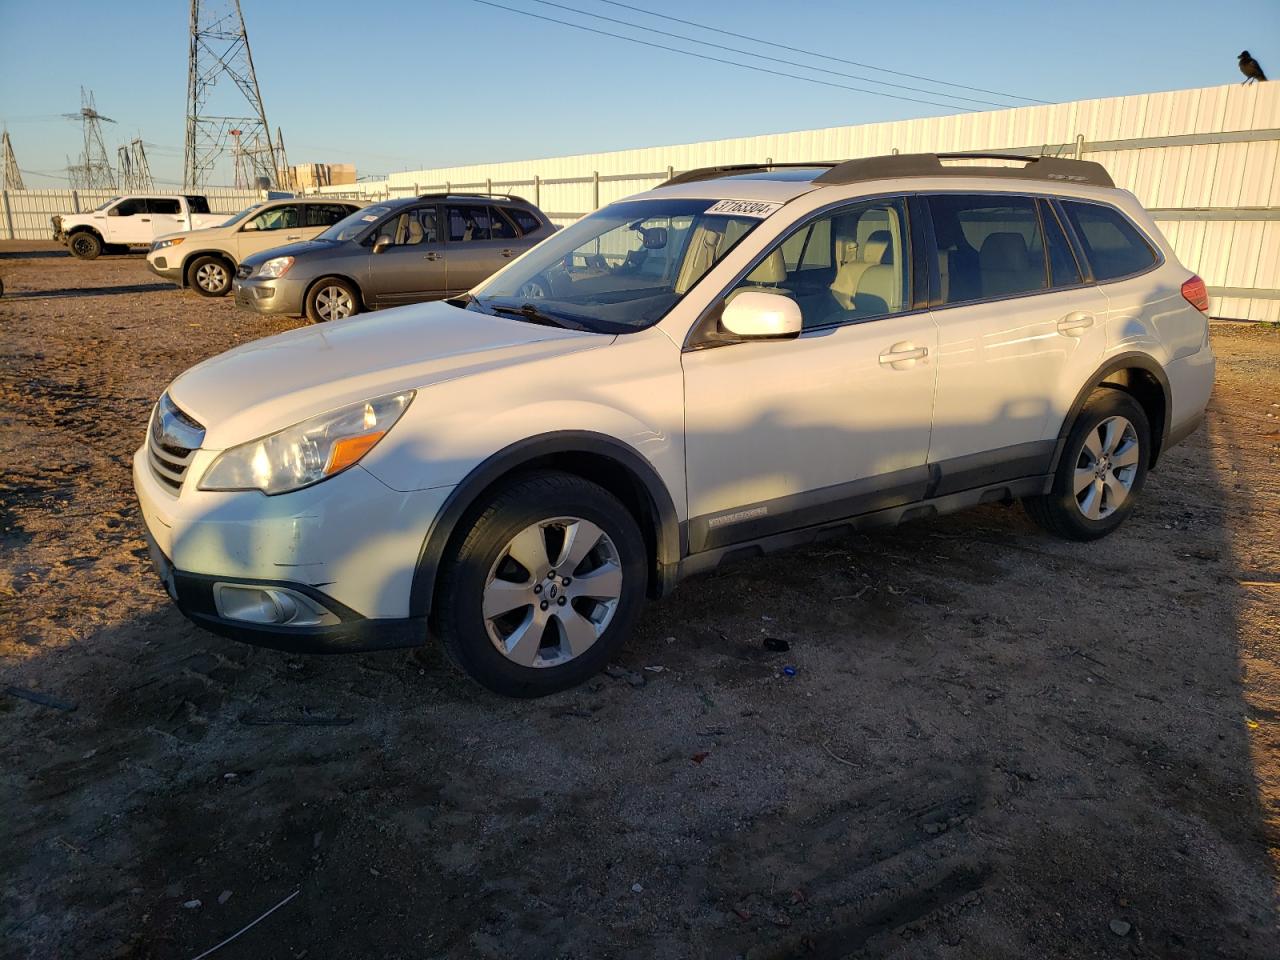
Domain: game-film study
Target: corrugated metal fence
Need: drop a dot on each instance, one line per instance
(24, 214)
(1205, 161)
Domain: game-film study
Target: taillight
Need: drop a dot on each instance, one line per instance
(1195, 293)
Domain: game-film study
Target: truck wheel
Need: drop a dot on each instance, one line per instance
(332, 299)
(209, 276)
(545, 587)
(85, 245)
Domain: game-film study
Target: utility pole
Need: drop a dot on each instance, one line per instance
(12, 176)
(94, 169)
(219, 51)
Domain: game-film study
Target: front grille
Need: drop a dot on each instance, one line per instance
(172, 441)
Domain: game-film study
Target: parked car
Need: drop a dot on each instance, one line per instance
(132, 221)
(392, 253)
(740, 360)
(206, 260)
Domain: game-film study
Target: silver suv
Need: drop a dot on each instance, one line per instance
(393, 253)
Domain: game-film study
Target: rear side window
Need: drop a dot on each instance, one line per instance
(164, 205)
(525, 220)
(198, 204)
(1113, 245)
(468, 223)
(324, 214)
(1063, 269)
(987, 246)
(500, 228)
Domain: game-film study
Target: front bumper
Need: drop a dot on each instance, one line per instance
(165, 268)
(270, 296)
(350, 544)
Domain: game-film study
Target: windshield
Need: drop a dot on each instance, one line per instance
(620, 269)
(241, 215)
(105, 204)
(348, 228)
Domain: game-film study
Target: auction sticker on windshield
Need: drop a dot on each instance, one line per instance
(745, 208)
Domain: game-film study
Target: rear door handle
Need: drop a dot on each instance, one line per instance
(433, 256)
(903, 353)
(145, 219)
(294, 236)
(1075, 324)
(508, 253)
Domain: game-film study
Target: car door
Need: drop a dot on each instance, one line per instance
(1019, 327)
(166, 216)
(480, 242)
(272, 227)
(412, 267)
(129, 222)
(783, 434)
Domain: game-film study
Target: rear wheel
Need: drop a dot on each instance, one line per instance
(545, 587)
(209, 276)
(332, 299)
(1102, 470)
(85, 245)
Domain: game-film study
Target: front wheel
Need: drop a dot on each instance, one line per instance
(332, 299)
(85, 245)
(209, 276)
(1102, 470)
(545, 587)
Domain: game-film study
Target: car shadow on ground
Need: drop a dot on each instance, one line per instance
(79, 292)
(993, 743)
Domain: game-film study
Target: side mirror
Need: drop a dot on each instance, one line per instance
(755, 314)
(381, 244)
(250, 227)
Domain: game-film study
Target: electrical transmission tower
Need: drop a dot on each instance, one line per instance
(12, 176)
(93, 172)
(285, 178)
(220, 52)
(135, 172)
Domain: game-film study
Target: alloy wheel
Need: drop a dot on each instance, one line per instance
(552, 592)
(211, 277)
(334, 303)
(1106, 468)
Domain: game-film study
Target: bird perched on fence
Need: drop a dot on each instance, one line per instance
(1251, 68)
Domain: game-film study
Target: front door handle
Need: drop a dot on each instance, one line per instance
(145, 219)
(1075, 324)
(294, 236)
(902, 356)
(508, 253)
(433, 256)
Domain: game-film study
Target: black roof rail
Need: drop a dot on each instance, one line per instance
(471, 196)
(733, 169)
(899, 165)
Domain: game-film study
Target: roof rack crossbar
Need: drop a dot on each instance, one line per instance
(930, 165)
(733, 169)
(471, 196)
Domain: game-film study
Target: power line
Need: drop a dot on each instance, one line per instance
(824, 56)
(732, 63)
(761, 56)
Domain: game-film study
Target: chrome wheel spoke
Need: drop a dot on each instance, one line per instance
(602, 583)
(1083, 477)
(580, 538)
(1091, 505)
(1112, 430)
(1126, 456)
(503, 596)
(1093, 445)
(577, 633)
(529, 549)
(1115, 491)
(523, 643)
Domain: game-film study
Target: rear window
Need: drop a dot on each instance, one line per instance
(1112, 244)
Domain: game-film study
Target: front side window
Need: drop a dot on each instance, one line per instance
(1112, 244)
(130, 208)
(167, 206)
(277, 218)
(618, 270)
(988, 246)
(845, 266)
(411, 228)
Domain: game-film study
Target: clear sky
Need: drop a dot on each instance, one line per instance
(396, 85)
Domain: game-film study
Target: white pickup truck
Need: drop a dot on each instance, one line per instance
(132, 221)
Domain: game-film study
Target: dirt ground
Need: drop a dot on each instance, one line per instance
(995, 744)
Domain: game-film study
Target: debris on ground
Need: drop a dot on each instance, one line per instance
(41, 698)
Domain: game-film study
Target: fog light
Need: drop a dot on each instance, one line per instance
(269, 605)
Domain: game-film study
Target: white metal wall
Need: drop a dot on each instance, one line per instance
(1203, 160)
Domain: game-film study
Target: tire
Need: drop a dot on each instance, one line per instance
(84, 245)
(332, 299)
(210, 276)
(1102, 470)
(537, 517)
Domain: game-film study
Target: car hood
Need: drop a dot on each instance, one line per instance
(269, 384)
(300, 248)
(203, 232)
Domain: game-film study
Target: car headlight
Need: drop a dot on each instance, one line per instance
(307, 452)
(163, 244)
(275, 267)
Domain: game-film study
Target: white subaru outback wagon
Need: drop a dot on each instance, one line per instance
(742, 359)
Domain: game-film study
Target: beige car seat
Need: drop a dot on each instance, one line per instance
(873, 252)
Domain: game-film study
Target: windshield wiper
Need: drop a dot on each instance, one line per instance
(532, 314)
